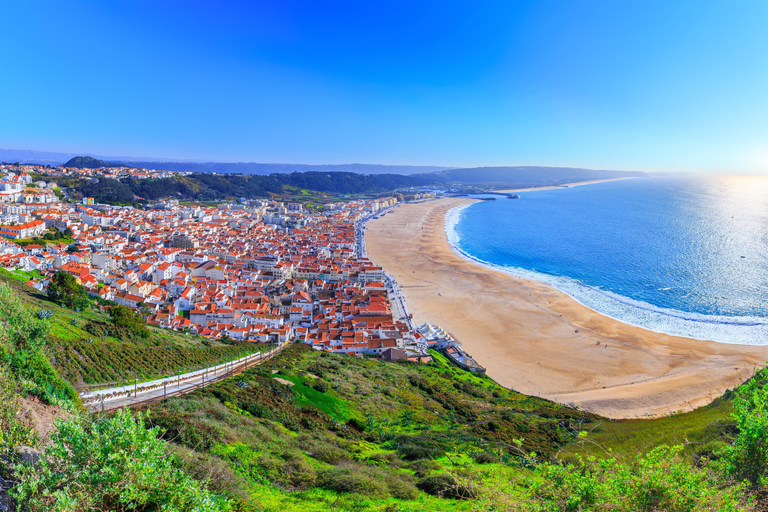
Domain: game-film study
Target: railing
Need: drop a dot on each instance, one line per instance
(120, 400)
(87, 388)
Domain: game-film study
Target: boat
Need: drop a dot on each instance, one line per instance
(462, 359)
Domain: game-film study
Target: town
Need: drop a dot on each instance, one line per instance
(257, 270)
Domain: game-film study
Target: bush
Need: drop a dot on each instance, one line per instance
(22, 341)
(486, 458)
(401, 488)
(747, 458)
(188, 432)
(123, 316)
(110, 464)
(443, 484)
(351, 480)
(320, 385)
(660, 480)
(13, 429)
(356, 424)
(417, 447)
(329, 454)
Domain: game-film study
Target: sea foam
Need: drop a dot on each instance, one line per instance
(744, 330)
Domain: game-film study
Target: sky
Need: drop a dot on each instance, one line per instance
(633, 85)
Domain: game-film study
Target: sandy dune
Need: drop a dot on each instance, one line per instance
(523, 331)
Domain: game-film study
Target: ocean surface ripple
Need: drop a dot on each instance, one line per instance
(686, 256)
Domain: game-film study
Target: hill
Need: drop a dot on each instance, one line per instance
(524, 176)
(88, 162)
(313, 431)
(210, 187)
(267, 168)
(173, 164)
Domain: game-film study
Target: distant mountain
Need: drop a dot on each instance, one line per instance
(524, 176)
(88, 162)
(266, 169)
(170, 164)
(28, 156)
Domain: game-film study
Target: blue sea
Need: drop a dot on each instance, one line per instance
(686, 256)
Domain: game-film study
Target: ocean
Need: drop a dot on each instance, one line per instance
(686, 256)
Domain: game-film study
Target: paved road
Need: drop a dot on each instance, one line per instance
(161, 389)
(396, 299)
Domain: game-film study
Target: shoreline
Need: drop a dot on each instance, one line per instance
(671, 322)
(566, 185)
(536, 339)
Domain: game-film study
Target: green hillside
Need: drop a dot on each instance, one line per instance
(311, 431)
(212, 187)
(86, 348)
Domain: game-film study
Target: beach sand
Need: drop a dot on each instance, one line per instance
(523, 331)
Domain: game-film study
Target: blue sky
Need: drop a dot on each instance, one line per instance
(641, 85)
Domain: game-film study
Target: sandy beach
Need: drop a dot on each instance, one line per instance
(524, 332)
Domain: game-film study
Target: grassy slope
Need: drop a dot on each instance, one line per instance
(82, 357)
(700, 431)
(377, 431)
(273, 446)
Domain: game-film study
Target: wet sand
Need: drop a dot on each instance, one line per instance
(523, 331)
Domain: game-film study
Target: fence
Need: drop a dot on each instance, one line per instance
(169, 384)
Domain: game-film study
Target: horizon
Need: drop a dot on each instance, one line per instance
(637, 87)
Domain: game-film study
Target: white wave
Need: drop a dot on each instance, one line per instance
(742, 330)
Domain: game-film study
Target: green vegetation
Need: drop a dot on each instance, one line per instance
(14, 431)
(358, 434)
(103, 464)
(123, 316)
(64, 289)
(23, 339)
(87, 347)
(211, 187)
(109, 464)
(312, 431)
(366, 435)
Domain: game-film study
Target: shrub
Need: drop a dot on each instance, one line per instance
(123, 316)
(188, 432)
(13, 430)
(110, 464)
(320, 385)
(747, 458)
(401, 488)
(329, 454)
(417, 447)
(486, 458)
(356, 424)
(22, 340)
(660, 480)
(443, 484)
(351, 480)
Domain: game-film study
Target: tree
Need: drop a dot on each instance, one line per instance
(123, 316)
(64, 289)
(68, 233)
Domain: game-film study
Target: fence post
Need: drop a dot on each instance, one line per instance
(165, 390)
(102, 402)
(178, 374)
(135, 386)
